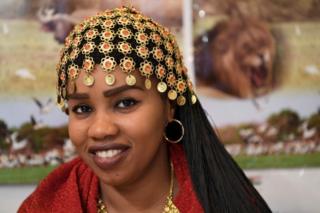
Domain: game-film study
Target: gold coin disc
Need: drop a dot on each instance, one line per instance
(110, 79)
(193, 99)
(88, 80)
(172, 95)
(147, 83)
(181, 100)
(162, 87)
(131, 80)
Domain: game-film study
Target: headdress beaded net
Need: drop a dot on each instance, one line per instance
(123, 37)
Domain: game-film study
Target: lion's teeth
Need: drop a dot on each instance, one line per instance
(108, 153)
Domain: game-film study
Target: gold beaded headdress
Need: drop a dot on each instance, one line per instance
(126, 38)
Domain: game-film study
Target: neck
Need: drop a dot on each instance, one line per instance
(148, 193)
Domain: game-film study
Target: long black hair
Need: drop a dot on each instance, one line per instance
(220, 184)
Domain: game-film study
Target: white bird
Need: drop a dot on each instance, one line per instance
(15, 144)
(306, 132)
(69, 151)
(255, 139)
(250, 150)
(276, 148)
(22, 159)
(309, 133)
(234, 149)
(68, 147)
(272, 131)
(35, 124)
(297, 30)
(25, 73)
(246, 133)
(262, 128)
(53, 157)
(5, 28)
(10, 162)
(35, 160)
(44, 108)
(312, 70)
(19, 145)
(3, 160)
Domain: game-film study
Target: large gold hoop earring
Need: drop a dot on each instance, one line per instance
(174, 131)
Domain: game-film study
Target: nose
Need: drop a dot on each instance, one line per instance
(103, 127)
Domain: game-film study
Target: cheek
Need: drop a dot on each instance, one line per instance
(146, 127)
(150, 129)
(76, 132)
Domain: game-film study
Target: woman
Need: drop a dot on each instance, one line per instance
(144, 141)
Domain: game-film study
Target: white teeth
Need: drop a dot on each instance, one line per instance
(108, 154)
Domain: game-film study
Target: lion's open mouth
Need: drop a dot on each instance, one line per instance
(258, 75)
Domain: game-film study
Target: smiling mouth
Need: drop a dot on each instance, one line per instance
(107, 156)
(108, 153)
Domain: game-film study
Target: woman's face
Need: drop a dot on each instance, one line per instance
(118, 130)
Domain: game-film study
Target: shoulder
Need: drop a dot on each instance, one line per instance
(63, 187)
(186, 200)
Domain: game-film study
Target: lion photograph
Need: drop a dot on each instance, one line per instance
(235, 58)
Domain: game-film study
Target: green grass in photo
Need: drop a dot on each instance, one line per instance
(25, 175)
(279, 161)
(33, 175)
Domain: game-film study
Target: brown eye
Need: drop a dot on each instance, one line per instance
(81, 109)
(126, 103)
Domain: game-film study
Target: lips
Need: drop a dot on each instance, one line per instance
(107, 156)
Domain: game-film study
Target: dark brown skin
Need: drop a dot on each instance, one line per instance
(140, 182)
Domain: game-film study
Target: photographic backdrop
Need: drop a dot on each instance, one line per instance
(257, 74)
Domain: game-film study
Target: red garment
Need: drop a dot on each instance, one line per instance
(73, 187)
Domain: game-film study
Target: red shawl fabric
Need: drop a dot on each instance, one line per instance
(73, 187)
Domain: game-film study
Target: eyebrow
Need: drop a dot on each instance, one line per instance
(108, 93)
(78, 96)
(120, 89)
